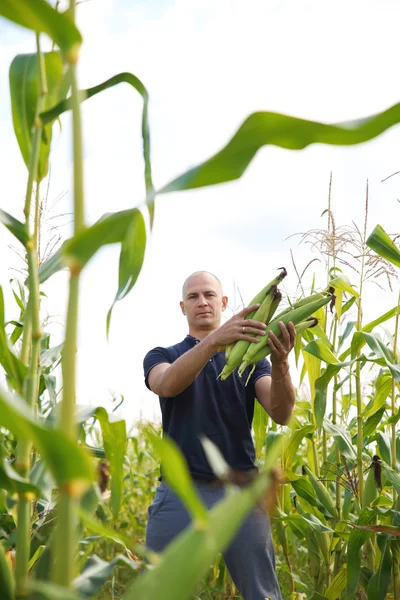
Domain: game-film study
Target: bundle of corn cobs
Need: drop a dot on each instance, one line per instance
(242, 353)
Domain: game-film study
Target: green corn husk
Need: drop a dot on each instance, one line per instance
(240, 347)
(296, 316)
(261, 295)
(299, 304)
(300, 327)
(258, 299)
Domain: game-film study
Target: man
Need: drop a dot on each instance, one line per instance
(194, 401)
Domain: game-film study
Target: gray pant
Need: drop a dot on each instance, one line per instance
(250, 558)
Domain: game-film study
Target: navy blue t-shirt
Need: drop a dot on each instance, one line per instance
(221, 410)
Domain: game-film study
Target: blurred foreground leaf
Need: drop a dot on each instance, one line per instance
(25, 91)
(68, 463)
(380, 242)
(267, 128)
(50, 115)
(41, 17)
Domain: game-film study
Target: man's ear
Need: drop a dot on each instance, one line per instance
(224, 302)
(182, 307)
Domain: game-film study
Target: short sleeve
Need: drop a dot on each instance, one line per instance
(263, 367)
(155, 357)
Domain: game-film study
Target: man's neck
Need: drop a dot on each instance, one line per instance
(200, 334)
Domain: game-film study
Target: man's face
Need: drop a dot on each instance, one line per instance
(203, 302)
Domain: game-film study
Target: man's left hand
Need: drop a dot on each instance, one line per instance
(280, 349)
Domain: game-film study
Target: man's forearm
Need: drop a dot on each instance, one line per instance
(185, 369)
(282, 394)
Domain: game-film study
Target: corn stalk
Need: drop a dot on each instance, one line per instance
(31, 341)
(65, 535)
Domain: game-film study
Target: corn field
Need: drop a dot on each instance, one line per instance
(75, 484)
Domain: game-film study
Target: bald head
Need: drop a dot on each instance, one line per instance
(195, 276)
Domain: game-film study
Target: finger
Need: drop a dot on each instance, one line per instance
(249, 338)
(272, 345)
(246, 329)
(292, 333)
(252, 323)
(272, 336)
(248, 310)
(285, 334)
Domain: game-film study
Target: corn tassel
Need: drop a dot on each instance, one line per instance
(296, 316)
(240, 348)
(264, 352)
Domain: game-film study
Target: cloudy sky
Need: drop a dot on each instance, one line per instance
(207, 65)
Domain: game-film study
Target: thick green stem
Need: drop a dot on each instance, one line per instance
(395, 547)
(334, 421)
(65, 534)
(32, 336)
(394, 389)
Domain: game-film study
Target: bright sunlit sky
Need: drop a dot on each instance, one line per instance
(207, 65)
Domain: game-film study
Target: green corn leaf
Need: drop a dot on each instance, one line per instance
(378, 585)
(382, 351)
(176, 474)
(321, 388)
(12, 365)
(215, 458)
(322, 493)
(380, 242)
(392, 476)
(358, 339)
(384, 387)
(365, 576)
(14, 226)
(51, 591)
(356, 539)
(337, 585)
(320, 349)
(293, 443)
(111, 228)
(371, 423)
(33, 560)
(304, 489)
(114, 440)
(41, 17)
(260, 422)
(342, 438)
(315, 523)
(96, 572)
(343, 284)
(131, 260)
(384, 446)
(266, 128)
(7, 583)
(348, 329)
(11, 481)
(24, 89)
(300, 527)
(54, 113)
(68, 463)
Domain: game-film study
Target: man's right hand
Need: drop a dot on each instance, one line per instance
(238, 328)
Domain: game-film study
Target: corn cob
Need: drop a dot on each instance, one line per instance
(240, 347)
(296, 316)
(258, 299)
(300, 327)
